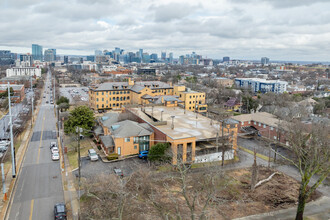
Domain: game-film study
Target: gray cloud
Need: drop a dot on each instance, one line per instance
(238, 28)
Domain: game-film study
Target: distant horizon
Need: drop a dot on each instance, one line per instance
(167, 52)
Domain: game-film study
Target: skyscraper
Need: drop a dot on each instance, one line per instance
(37, 52)
(66, 59)
(50, 55)
(141, 54)
(225, 59)
(264, 60)
(171, 58)
(163, 56)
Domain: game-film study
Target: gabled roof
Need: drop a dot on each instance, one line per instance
(129, 128)
(107, 141)
(109, 119)
(231, 102)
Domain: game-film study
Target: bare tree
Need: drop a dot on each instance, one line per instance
(311, 156)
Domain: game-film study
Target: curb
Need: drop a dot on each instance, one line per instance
(261, 156)
(12, 185)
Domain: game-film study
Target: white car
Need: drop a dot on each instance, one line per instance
(55, 156)
(92, 155)
(54, 150)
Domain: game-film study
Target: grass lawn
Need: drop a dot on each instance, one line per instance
(73, 155)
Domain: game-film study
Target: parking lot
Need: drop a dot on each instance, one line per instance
(89, 169)
(75, 94)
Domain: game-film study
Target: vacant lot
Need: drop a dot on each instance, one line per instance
(150, 195)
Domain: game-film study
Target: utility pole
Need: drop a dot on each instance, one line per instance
(54, 91)
(11, 136)
(78, 130)
(31, 102)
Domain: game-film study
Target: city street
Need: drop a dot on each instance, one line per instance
(39, 184)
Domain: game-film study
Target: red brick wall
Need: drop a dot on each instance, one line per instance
(264, 132)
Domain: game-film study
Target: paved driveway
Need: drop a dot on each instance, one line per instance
(89, 169)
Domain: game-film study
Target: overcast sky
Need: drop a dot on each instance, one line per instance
(242, 29)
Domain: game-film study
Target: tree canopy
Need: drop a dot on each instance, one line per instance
(62, 99)
(158, 153)
(81, 116)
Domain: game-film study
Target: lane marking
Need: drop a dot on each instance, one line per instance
(42, 131)
(31, 209)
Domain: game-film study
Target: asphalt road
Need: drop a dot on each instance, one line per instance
(39, 184)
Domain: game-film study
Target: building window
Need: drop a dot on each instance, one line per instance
(97, 93)
(127, 92)
(275, 137)
(102, 93)
(135, 147)
(190, 102)
(114, 104)
(127, 97)
(255, 123)
(190, 96)
(242, 122)
(189, 107)
(127, 139)
(102, 99)
(249, 122)
(97, 106)
(136, 139)
(110, 99)
(264, 126)
(117, 92)
(124, 92)
(124, 98)
(117, 99)
(259, 124)
(107, 102)
(97, 99)
(102, 105)
(271, 128)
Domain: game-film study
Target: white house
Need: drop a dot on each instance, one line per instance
(23, 71)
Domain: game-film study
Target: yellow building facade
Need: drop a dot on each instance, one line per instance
(114, 95)
(193, 101)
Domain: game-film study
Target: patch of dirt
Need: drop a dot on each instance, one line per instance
(281, 192)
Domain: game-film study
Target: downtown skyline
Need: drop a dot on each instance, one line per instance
(240, 29)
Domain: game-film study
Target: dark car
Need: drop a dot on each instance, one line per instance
(60, 211)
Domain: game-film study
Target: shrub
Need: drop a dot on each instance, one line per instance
(113, 156)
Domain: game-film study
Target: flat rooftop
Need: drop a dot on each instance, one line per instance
(185, 124)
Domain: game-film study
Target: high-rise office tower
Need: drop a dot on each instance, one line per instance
(264, 60)
(154, 56)
(163, 56)
(171, 58)
(50, 55)
(141, 54)
(66, 59)
(37, 52)
(225, 59)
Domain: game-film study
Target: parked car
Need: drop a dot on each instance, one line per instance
(3, 148)
(118, 171)
(52, 144)
(55, 156)
(92, 155)
(54, 149)
(143, 154)
(60, 211)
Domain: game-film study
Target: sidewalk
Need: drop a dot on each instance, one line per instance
(319, 210)
(68, 182)
(10, 182)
